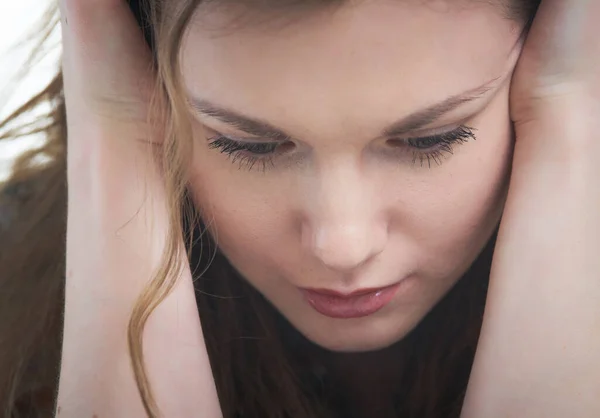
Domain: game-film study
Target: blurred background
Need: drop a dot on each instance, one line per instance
(18, 20)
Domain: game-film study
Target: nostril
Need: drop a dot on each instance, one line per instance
(342, 264)
(343, 248)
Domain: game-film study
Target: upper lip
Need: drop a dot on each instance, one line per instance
(347, 295)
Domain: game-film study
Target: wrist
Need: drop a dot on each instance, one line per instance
(567, 123)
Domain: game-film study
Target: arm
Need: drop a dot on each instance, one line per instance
(116, 232)
(539, 351)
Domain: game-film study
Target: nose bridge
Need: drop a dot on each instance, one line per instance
(344, 226)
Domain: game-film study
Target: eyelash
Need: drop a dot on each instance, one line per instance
(426, 149)
(444, 143)
(247, 154)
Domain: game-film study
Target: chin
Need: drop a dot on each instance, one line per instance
(354, 346)
(358, 336)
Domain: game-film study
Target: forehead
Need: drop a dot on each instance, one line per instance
(365, 55)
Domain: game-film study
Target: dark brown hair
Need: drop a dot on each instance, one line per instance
(262, 366)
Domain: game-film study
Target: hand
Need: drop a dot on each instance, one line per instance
(117, 232)
(560, 61)
(538, 351)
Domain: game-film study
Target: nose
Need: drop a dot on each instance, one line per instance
(344, 228)
(345, 246)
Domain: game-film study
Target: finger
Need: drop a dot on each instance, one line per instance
(107, 64)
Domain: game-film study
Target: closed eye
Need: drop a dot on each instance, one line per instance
(248, 155)
(434, 148)
(425, 150)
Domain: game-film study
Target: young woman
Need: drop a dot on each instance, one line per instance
(340, 174)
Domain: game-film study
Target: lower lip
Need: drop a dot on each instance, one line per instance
(350, 306)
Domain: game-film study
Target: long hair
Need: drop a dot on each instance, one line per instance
(262, 366)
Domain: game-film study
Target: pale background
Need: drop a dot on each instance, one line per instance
(17, 18)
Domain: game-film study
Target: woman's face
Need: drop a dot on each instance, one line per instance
(353, 149)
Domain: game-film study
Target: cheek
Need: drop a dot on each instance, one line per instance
(458, 210)
(446, 214)
(247, 223)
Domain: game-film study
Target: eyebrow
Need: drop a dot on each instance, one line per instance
(413, 122)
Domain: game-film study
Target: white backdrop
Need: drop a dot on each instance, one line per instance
(18, 18)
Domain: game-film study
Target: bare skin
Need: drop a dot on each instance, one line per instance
(111, 249)
(538, 352)
(342, 210)
(550, 226)
(343, 206)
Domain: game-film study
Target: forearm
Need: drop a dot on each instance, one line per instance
(539, 351)
(112, 253)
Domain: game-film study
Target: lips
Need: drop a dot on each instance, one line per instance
(357, 304)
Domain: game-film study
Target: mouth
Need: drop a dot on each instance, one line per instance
(357, 304)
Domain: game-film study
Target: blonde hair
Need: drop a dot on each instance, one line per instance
(257, 377)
